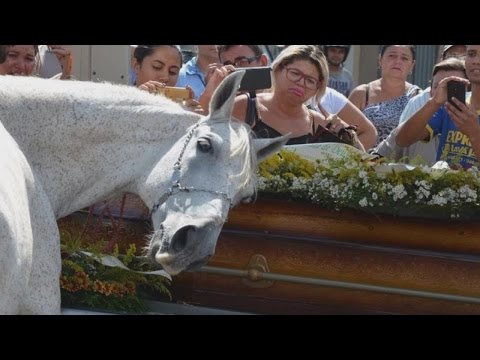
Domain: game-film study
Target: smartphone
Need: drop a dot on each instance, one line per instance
(256, 78)
(456, 89)
(178, 94)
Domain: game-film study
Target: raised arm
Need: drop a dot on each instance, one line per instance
(414, 129)
(215, 75)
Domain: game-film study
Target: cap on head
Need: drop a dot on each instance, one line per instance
(346, 47)
(447, 48)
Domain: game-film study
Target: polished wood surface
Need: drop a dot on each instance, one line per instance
(332, 260)
(304, 240)
(297, 219)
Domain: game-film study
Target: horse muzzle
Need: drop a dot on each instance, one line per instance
(186, 247)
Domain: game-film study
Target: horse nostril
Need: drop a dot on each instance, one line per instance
(180, 239)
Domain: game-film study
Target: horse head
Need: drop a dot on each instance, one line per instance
(207, 172)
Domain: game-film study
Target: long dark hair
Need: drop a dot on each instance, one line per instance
(142, 51)
(383, 48)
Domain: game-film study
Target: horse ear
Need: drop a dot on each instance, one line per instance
(221, 105)
(266, 147)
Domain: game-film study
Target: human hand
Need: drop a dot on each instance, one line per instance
(194, 106)
(441, 92)
(64, 56)
(465, 118)
(216, 73)
(210, 70)
(214, 76)
(333, 122)
(190, 90)
(151, 86)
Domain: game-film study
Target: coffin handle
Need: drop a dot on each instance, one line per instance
(255, 269)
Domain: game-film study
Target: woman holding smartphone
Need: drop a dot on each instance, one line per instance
(157, 66)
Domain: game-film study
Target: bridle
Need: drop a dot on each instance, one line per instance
(176, 187)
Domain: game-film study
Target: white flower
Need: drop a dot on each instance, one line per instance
(363, 202)
(338, 184)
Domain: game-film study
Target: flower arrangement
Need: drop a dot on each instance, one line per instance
(87, 282)
(359, 183)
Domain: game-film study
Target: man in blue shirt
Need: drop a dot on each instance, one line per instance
(193, 72)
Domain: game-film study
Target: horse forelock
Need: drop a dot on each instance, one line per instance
(242, 147)
(249, 169)
(241, 142)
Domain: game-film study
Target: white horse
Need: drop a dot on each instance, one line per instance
(81, 142)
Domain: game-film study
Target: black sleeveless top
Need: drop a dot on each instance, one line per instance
(262, 130)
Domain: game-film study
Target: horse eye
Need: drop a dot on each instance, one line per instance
(204, 145)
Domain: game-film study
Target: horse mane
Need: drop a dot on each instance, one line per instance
(245, 146)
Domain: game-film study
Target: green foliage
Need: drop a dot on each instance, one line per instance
(287, 163)
(85, 282)
(359, 184)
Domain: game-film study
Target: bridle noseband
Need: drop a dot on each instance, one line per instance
(176, 187)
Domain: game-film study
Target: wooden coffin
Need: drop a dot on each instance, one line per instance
(279, 257)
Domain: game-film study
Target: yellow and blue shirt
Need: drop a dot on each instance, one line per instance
(454, 147)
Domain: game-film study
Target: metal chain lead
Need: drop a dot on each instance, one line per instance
(178, 163)
(176, 187)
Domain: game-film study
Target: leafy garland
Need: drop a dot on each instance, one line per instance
(85, 282)
(356, 183)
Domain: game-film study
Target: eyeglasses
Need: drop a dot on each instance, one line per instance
(242, 61)
(296, 75)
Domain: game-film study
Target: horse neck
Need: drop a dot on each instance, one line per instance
(87, 141)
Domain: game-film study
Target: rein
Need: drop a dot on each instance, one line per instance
(176, 187)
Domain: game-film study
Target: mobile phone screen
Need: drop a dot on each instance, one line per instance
(456, 89)
(175, 93)
(256, 78)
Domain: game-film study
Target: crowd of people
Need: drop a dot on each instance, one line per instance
(312, 92)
